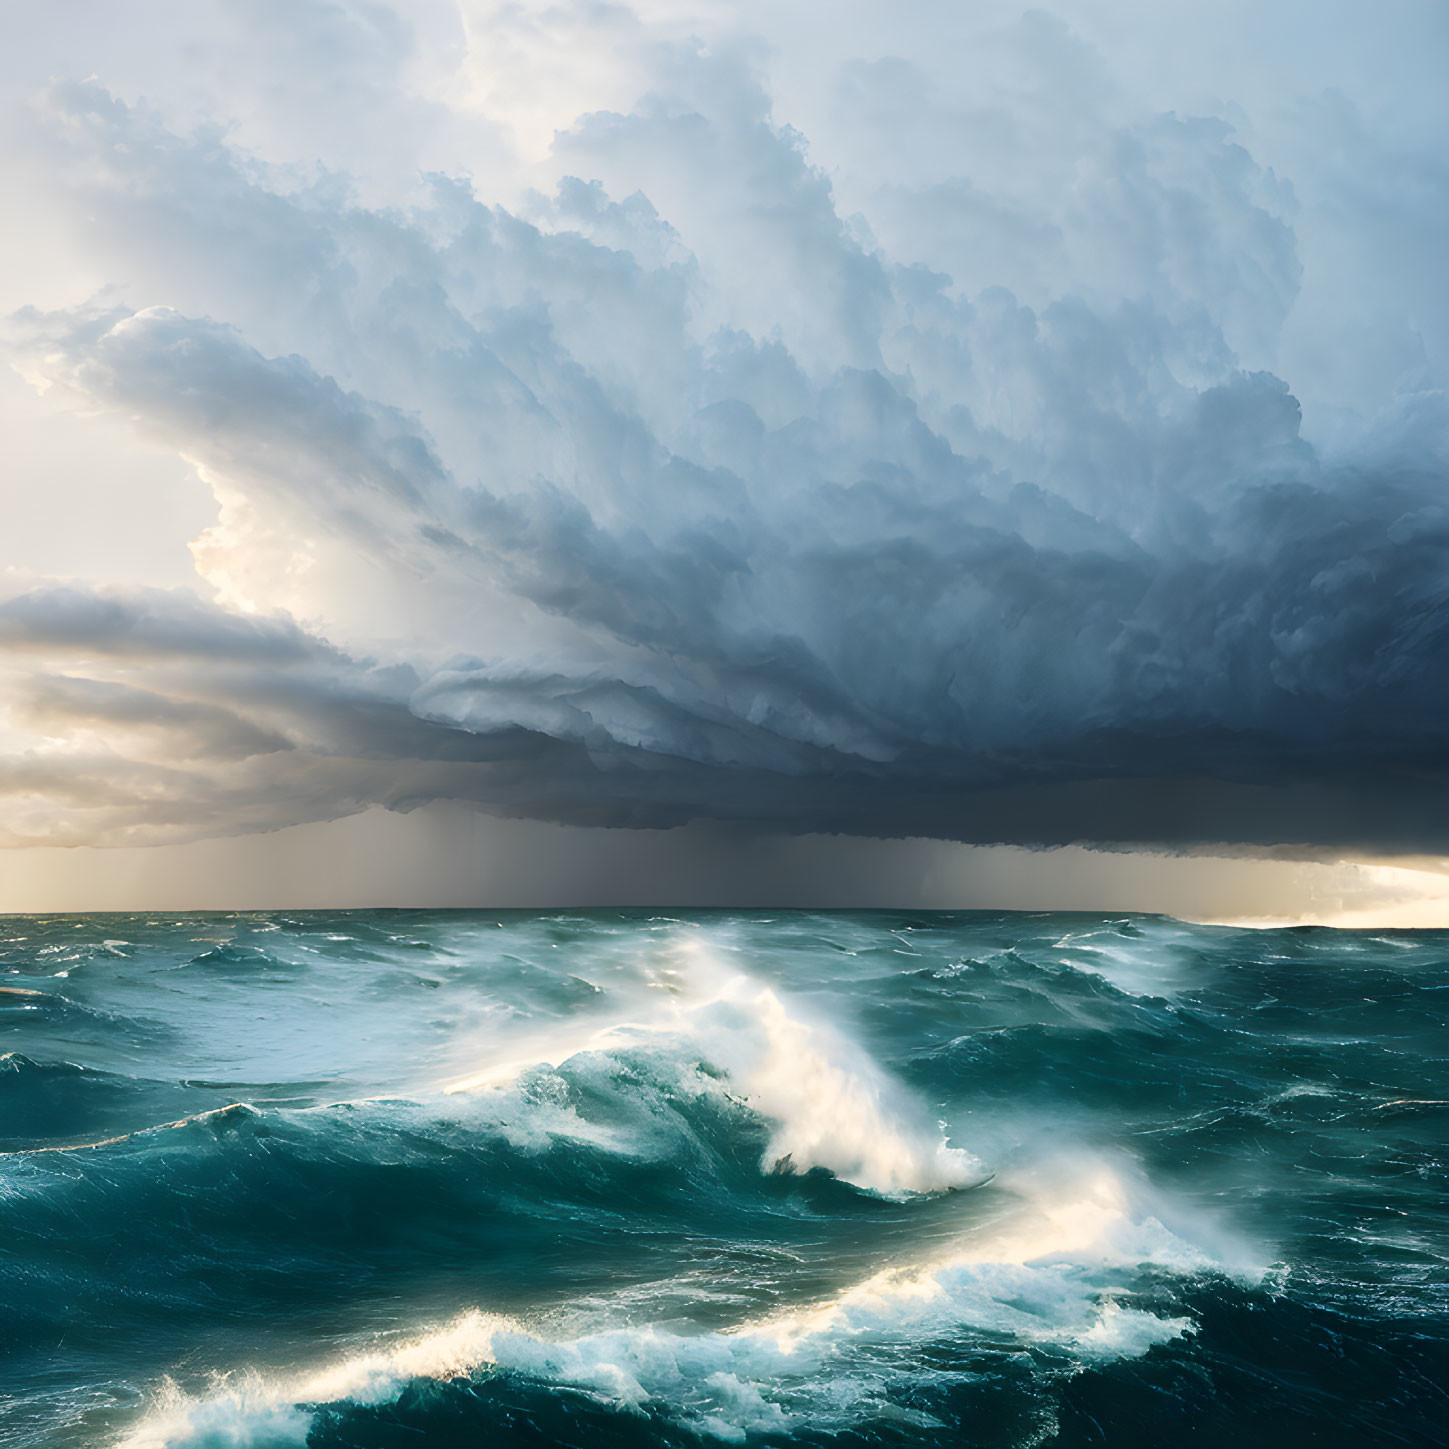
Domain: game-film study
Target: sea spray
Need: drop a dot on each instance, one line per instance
(832, 1105)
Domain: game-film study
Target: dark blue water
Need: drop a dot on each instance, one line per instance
(442, 1178)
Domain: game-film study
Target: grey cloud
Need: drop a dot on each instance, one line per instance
(1068, 197)
(186, 728)
(654, 500)
(155, 623)
(210, 724)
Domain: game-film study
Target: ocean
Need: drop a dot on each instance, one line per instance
(632, 1178)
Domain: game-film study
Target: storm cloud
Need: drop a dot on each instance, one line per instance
(937, 472)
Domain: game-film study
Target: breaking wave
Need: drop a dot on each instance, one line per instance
(832, 1105)
(1057, 1285)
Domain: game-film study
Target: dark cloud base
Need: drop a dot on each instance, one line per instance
(276, 728)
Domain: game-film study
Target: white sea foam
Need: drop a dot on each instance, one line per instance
(1053, 1281)
(832, 1104)
(252, 1411)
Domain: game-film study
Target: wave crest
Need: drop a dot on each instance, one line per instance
(832, 1105)
(1056, 1284)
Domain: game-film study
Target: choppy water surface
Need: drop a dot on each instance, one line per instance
(615, 1178)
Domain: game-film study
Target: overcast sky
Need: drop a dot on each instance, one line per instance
(915, 423)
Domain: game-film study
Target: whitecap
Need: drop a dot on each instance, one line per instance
(1056, 1281)
(832, 1105)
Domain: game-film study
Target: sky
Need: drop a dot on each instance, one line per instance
(938, 453)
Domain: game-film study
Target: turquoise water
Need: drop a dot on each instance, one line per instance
(618, 1178)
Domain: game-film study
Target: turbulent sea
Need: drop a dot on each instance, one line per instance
(618, 1178)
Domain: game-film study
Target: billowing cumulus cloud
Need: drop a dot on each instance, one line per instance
(660, 428)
